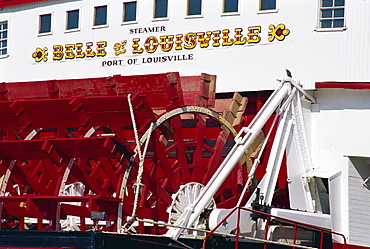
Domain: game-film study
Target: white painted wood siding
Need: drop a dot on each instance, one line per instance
(359, 201)
(311, 56)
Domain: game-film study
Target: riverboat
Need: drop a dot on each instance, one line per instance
(184, 124)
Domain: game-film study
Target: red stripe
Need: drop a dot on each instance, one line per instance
(341, 246)
(351, 85)
(8, 3)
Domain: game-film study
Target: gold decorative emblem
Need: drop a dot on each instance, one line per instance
(40, 54)
(279, 32)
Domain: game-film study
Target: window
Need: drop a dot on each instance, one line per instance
(194, 7)
(45, 24)
(73, 19)
(230, 6)
(3, 38)
(100, 17)
(129, 11)
(331, 14)
(160, 8)
(267, 4)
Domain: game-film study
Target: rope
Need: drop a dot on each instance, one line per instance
(138, 185)
(138, 144)
(256, 162)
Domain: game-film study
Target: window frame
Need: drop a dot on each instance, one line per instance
(230, 13)
(266, 11)
(4, 39)
(124, 11)
(40, 24)
(155, 9)
(319, 27)
(188, 15)
(98, 26)
(78, 21)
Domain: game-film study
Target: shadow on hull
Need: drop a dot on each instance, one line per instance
(97, 240)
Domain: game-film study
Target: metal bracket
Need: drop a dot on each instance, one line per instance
(301, 90)
(243, 131)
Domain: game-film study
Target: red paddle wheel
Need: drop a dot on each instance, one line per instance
(69, 154)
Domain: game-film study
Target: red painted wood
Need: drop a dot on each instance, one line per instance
(350, 85)
(349, 246)
(8, 3)
(185, 148)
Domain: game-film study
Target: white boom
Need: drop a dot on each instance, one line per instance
(282, 96)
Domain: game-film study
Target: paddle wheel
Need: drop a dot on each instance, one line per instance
(93, 153)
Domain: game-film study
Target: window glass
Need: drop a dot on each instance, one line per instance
(268, 4)
(194, 7)
(100, 15)
(230, 6)
(326, 13)
(45, 23)
(331, 14)
(339, 3)
(72, 19)
(129, 11)
(3, 38)
(327, 3)
(338, 23)
(160, 8)
(339, 13)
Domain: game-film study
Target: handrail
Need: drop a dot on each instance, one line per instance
(269, 216)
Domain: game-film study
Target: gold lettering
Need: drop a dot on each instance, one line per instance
(58, 52)
(135, 46)
(120, 47)
(253, 35)
(216, 38)
(151, 44)
(239, 39)
(190, 40)
(79, 53)
(166, 42)
(225, 38)
(89, 52)
(101, 48)
(69, 51)
(178, 42)
(204, 42)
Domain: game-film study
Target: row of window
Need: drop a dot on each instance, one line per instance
(194, 8)
(331, 15)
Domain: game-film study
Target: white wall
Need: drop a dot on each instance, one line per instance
(339, 137)
(358, 199)
(311, 56)
(340, 126)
